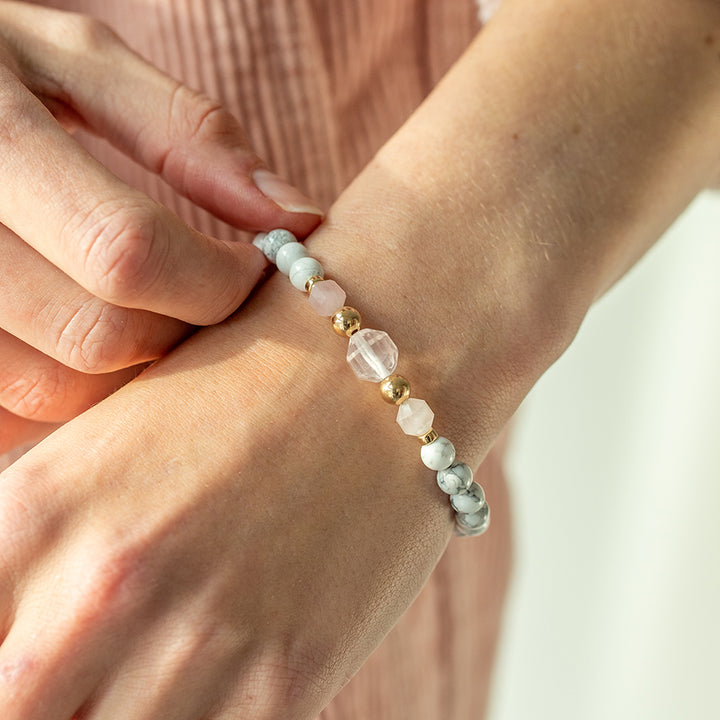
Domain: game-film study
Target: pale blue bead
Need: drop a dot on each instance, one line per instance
(469, 502)
(473, 524)
(288, 254)
(438, 454)
(303, 269)
(455, 479)
(274, 240)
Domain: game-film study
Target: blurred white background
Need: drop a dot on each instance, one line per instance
(614, 610)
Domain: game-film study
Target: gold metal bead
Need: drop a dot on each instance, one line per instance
(430, 436)
(395, 389)
(311, 281)
(346, 321)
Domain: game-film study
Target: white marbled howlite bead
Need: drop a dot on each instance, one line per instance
(303, 269)
(469, 502)
(455, 479)
(288, 254)
(472, 524)
(274, 240)
(439, 454)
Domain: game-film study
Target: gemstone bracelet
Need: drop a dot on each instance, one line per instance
(373, 356)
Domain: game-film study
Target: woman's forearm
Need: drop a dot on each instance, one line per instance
(587, 126)
(552, 155)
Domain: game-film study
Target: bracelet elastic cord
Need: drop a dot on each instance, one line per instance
(373, 356)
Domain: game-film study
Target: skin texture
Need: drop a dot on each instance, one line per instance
(118, 279)
(232, 533)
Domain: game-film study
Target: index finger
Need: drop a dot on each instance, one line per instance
(110, 238)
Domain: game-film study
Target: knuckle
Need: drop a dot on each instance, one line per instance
(121, 250)
(193, 119)
(118, 581)
(93, 339)
(196, 117)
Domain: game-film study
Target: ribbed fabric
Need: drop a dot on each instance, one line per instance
(319, 85)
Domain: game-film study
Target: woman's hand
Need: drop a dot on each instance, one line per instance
(228, 536)
(232, 533)
(97, 277)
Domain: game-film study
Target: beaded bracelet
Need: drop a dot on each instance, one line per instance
(373, 356)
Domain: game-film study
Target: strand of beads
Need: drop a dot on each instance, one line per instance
(373, 356)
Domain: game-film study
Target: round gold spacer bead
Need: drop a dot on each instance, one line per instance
(395, 389)
(311, 281)
(430, 436)
(346, 321)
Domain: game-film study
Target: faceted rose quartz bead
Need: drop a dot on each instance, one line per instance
(415, 417)
(326, 297)
(372, 354)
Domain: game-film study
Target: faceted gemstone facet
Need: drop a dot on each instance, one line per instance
(326, 297)
(415, 417)
(372, 354)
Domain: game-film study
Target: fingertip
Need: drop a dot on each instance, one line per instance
(290, 208)
(235, 186)
(300, 224)
(285, 196)
(231, 194)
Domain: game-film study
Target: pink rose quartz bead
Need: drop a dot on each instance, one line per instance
(372, 355)
(326, 297)
(415, 417)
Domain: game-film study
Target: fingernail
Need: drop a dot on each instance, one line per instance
(286, 196)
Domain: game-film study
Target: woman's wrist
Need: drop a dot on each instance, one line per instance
(461, 348)
(535, 175)
(479, 252)
(483, 231)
